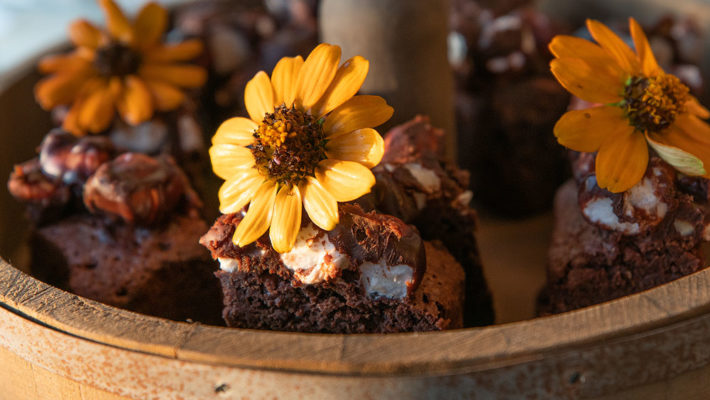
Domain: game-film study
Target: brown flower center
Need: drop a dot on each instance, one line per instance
(652, 104)
(289, 145)
(116, 59)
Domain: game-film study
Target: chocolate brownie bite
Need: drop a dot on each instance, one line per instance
(120, 230)
(372, 273)
(607, 245)
(507, 103)
(50, 185)
(242, 38)
(416, 183)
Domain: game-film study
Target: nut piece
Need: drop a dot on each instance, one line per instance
(638, 209)
(45, 198)
(139, 189)
(72, 160)
(28, 184)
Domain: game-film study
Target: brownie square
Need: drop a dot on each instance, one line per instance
(162, 272)
(371, 274)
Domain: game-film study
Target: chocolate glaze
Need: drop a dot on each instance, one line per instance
(360, 236)
(371, 237)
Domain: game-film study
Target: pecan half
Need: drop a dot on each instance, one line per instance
(139, 189)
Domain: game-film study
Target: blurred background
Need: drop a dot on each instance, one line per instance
(31, 26)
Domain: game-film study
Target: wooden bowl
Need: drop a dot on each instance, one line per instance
(54, 344)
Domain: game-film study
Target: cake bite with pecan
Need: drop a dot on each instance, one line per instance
(635, 214)
(309, 145)
(120, 229)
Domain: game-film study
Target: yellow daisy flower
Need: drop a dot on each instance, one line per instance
(125, 68)
(309, 144)
(640, 106)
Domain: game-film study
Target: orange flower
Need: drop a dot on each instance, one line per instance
(641, 105)
(125, 68)
(307, 145)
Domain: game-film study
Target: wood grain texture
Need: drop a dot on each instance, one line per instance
(650, 337)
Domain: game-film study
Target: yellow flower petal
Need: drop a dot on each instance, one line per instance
(58, 89)
(586, 130)
(166, 97)
(623, 54)
(287, 219)
(679, 159)
(237, 130)
(316, 74)
(564, 46)
(187, 76)
(71, 120)
(694, 107)
(97, 110)
(238, 191)
(259, 96)
(72, 63)
(585, 82)
(284, 79)
(364, 146)
(116, 22)
(229, 159)
(649, 66)
(149, 25)
(258, 217)
(690, 127)
(320, 205)
(183, 51)
(344, 180)
(357, 113)
(84, 33)
(135, 103)
(621, 161)
(347, 81)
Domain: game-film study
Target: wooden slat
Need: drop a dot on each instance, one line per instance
(479, 348)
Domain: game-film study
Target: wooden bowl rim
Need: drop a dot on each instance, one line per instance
(463, 350)
(429, 353)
